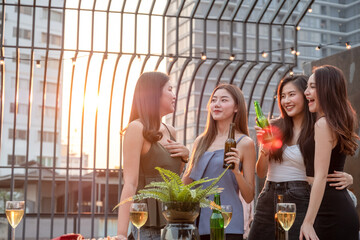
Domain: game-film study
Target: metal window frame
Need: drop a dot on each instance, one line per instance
(217, 65)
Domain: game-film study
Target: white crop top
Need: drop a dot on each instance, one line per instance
(292, 168)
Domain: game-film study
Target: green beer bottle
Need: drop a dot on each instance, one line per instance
(279, 231)
(263, 122)
(229, 143)
(217, 222)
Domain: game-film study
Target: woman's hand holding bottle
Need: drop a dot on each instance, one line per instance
(264, 146)
(233, 157)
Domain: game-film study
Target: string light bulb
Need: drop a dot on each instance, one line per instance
(171, 57)
(203, 56)
(292, 50)
(310, 10)
(232, 57)
(105, 56)
(264, 54)
(318, 47)
(139, 57)
(291, 72)
(347, 44)
(2, 62)
(298, 28)
(38, 64)
(73, 60)
(297, 53)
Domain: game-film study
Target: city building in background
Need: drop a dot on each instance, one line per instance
(88, 55)
(43, 111)
(328, 27)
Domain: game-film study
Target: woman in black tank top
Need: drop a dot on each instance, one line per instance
(331, 214)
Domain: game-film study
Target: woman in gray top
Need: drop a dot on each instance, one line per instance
(226, 105)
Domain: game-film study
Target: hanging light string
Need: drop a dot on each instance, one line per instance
(202, 55)
(294, 51)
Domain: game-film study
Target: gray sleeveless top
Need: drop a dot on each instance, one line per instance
(210, 165)
(157, 156)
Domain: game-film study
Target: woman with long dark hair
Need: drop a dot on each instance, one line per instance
(226, 105)
(284, 167)
(149, 143)
(331, 213)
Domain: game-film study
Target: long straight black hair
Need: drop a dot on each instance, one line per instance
(285, 122)
(146, 103)
(333, 98)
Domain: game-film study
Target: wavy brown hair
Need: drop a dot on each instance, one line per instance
(146, 103)
(210, 132)
(285, 122)
(331, 91)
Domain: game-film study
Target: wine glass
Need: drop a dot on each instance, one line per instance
(138, 215)
(227, 214)
(286, 213)
(14, 213)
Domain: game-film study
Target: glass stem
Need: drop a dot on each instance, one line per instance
(13, 233)
(138, 234)
(286, 235)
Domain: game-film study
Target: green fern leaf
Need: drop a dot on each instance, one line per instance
(200, 181)
(204, 192)
(152, 193)
(171, 175)
(157, 184)
(184, 195)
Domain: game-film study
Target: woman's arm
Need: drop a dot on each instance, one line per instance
(133, 143)
(245, 153)
(324, 143)
(262, 163)
(186, 176)
(263, 159)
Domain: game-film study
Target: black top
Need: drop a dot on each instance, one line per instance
(157, 156)
(337, 159)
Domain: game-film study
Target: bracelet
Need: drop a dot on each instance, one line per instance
(264, 152)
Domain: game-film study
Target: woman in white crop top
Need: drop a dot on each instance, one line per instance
(284, 167)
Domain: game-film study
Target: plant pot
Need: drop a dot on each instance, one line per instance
(180, 217)
(180, 212)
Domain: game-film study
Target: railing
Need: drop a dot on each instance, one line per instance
(68, 70)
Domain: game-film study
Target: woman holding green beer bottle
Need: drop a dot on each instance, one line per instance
(226, 106)
(284, 167)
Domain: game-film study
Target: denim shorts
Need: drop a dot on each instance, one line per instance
(263, 226)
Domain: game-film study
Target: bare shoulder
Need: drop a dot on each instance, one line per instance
(246, 142)
(323, 129)
(322, 124)
(135, 128)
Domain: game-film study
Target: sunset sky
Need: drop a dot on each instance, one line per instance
(92, 100)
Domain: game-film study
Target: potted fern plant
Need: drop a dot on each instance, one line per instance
(181, 202)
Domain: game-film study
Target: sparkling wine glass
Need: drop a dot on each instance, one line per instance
(138, 215)
(227, 214)
(14, 213)
(286, 213)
